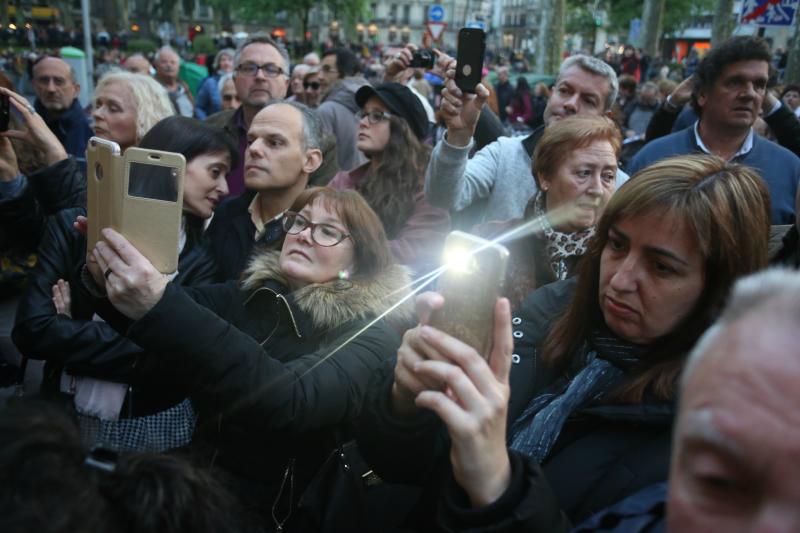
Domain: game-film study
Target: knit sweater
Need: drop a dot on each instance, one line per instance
(779, 167)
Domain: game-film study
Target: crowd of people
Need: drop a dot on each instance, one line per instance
(286, 376)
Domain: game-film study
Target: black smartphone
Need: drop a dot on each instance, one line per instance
(423, 59)
(469, 59)
(5, 112)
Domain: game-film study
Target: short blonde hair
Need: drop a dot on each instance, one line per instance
(150, 98)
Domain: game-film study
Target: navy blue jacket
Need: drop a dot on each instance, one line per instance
(71, 127)
(779, 167)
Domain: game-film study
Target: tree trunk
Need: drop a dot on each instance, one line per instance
(551, 37)
(723, 22)
(792, 72)
(652, 14)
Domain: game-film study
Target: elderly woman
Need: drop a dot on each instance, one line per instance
(125, 106)
(391, 129)
(575, 165)
(122, 405)
(208, 95)
(584, 418)
(279, 363)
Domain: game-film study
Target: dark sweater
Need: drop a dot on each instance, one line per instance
(779, 167)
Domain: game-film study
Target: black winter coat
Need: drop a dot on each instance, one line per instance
(49, 190)
(232, 236)
(603, 454)
(271, 387)
(85, 347)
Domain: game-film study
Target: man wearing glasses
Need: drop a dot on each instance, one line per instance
(261, 67)
(57, 102)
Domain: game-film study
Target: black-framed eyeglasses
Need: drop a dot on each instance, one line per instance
(373, 117)
(311, 85)
(322, 234)
(271, 70)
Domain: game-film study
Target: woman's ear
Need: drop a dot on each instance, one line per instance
(313, 160)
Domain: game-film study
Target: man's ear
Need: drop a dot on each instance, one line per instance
(701, 97)
(313, 160)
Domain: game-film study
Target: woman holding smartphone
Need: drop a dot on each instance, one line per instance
(121, 401)
(573, 410)
(391, 129)
(279, 363)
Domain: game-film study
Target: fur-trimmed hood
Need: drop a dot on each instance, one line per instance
(336, 302)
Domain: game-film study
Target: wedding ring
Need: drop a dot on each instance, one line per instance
(107, 273)
(31, 110)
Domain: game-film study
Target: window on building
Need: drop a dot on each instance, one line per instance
(406, 14)
(393, 13)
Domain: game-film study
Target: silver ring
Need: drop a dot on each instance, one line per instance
(107, 273)
(31, 110)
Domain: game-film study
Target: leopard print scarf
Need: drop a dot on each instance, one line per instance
(560, 245)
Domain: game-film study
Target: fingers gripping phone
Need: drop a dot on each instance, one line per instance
(469, 58)
(471, 285)
(139, 195)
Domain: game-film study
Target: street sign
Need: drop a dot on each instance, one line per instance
(436, 13)
(768, 12)
(436, 29)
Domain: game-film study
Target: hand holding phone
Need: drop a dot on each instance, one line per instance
(470, 286)
(470, 56)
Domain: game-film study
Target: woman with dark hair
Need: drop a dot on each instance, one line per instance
(573, 409)
(520, 112)
(120, 401)
(279, 362)
(392, 125)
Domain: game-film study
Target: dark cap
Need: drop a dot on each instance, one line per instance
(401, 102)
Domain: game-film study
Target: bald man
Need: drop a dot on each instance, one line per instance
(138, 64)
(57, 102)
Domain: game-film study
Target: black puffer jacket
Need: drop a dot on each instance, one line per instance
(603, 454)
(85, 347)
(271, 385)
(49, 190)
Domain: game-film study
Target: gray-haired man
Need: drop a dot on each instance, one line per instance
(496, 183)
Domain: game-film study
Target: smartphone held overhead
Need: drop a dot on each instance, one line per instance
(470, 284)
(469, 58)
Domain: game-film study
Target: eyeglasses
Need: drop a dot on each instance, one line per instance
(311, 85)
(57, 81)
(271, 70)
(328, 68)
(373, 117)
(322, 234)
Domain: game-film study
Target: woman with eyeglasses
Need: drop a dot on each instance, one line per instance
(279, 362)
(391, 130)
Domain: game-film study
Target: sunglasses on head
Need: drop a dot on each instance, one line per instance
(311, 84)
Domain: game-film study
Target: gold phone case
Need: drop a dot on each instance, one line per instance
(140, 195)
(470, 286)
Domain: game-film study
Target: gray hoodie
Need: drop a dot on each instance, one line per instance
(338, 113)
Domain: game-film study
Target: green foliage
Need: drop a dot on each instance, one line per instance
(203, 44)
(678, 14)
(144, 46)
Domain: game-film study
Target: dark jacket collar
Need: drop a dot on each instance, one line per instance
(529, 142)
(66, 120)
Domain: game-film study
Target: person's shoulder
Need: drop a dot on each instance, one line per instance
(775, 153)
(220, 118)
(673, 144)
(231, 207)
(547, 303)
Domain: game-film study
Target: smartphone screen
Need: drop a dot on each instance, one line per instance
(155, 182)
(471, 285)
(5, 112)
(469, 58)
